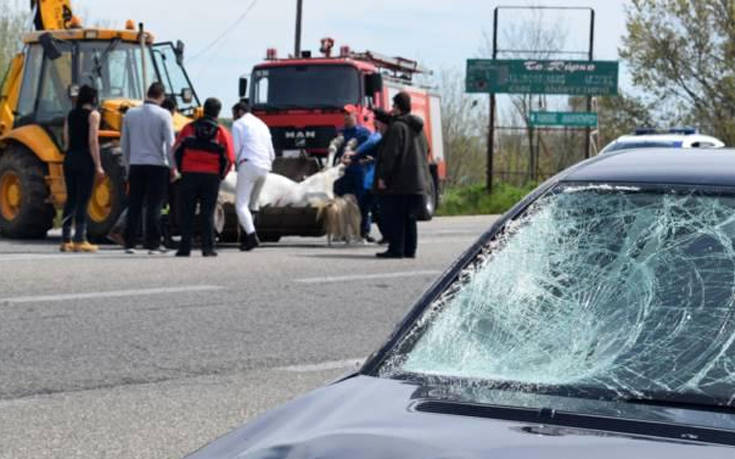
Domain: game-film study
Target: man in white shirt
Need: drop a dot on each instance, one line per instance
(254, 157)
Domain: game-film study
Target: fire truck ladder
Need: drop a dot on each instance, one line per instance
(399, 67)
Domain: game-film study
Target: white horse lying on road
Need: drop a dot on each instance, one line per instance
(280, 191)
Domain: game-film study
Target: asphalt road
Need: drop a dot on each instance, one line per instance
(114, 355)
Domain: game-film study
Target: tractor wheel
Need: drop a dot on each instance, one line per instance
(109, 198)
(25, 211)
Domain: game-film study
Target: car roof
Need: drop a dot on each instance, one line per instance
(703, 166)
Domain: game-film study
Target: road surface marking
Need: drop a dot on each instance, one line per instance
(357, 277)
(109, 294)
(324, 366)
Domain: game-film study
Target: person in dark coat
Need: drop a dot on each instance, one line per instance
(402, 178)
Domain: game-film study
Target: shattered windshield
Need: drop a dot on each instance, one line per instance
(624, 291)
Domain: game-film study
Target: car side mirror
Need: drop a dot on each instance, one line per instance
(187, 95)
(179, 51)
(373, 83)
(243, 90)
(50, 48)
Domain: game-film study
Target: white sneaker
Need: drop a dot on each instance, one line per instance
(158, 251)
(130, 251)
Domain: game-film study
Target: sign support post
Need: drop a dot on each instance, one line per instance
(589, 98)
(491, 127)
(492, 102)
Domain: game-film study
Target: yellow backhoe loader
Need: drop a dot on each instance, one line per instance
(37, 92)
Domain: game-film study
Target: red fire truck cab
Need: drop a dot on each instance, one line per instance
(301, 98)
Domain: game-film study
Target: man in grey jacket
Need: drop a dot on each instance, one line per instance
(147, 145)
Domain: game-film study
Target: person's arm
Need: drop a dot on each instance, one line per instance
(390, 151)
(186, 132)
(236, 141)
(168, 141)
(125, 144)
(367, 147)
(229, 150)
(271, 150)
(66, 135)
(94, 143)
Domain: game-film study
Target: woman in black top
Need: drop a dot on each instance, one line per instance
(82, 166)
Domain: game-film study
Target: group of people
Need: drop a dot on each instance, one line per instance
(197, 159)
(388, 172)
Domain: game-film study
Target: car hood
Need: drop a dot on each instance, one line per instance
(365, 417)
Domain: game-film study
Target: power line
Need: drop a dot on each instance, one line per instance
(225, 33)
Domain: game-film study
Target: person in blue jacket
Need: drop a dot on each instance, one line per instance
(352, 181)
(366, 155)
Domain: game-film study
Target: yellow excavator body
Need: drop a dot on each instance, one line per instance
(38, 91)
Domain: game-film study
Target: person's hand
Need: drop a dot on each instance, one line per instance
(174, 174)
(381, 184)
(99, 173)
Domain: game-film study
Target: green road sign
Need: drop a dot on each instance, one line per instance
(575, 78)
(576, 119)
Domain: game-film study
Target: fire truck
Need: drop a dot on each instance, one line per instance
(301, 99)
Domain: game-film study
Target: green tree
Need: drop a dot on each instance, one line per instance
(620, 115)
(12, 23)
(682, 54)
(464, 127)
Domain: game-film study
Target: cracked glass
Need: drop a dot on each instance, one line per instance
(621, 290)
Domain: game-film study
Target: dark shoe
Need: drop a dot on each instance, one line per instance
(383, 241)
(369, 239)
(388, 254)
(249, 243)
(183, 253)
(413, 255)
(209, 253)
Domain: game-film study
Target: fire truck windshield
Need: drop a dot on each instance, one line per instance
(305, 86)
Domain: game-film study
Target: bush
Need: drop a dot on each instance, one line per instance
(474, 200)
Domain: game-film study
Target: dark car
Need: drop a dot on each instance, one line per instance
(594, 320)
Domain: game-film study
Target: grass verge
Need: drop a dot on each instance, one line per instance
(474, 200)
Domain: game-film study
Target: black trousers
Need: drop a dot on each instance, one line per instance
(202, 189)
(148, 185)
(79, 177)
(400, 213)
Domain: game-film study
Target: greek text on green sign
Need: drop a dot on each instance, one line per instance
(577, 119)
(516, 76)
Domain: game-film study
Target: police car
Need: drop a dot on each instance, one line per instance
(673, 138)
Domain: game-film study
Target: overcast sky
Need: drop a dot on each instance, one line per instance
(440, 34)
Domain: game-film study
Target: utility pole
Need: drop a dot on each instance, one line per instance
(297, 41)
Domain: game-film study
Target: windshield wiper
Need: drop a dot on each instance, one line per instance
(100, 61)
(688, 405)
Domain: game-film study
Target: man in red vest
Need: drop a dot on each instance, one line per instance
(204, 155)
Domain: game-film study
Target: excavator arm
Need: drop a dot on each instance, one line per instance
(51, 14)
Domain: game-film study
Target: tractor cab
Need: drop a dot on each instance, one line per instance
(58, 63)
